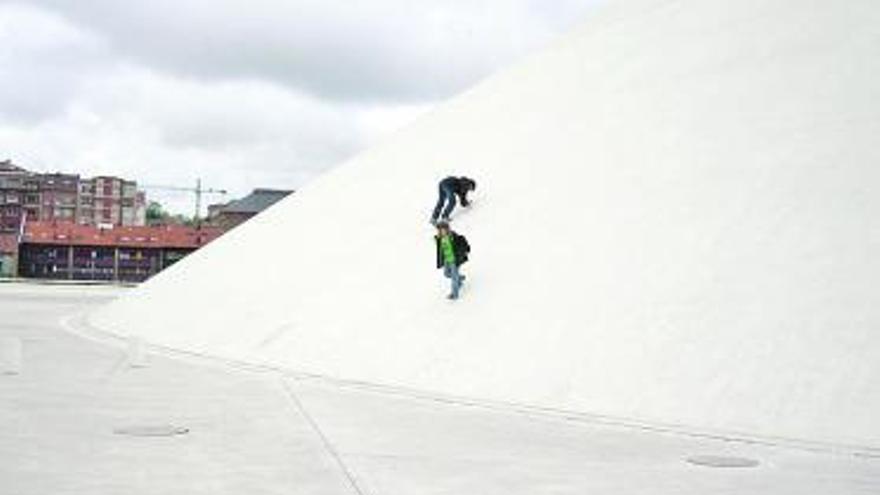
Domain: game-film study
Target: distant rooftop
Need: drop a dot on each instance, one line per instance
(255, 202)
(6, 166)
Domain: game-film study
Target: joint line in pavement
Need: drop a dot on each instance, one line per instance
(348, 472)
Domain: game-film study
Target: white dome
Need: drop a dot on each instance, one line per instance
(677, 219)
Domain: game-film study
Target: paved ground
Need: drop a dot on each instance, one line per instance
(255, 432)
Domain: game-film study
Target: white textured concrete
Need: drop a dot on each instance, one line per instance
(10, 355)
(59, 414)
(676, 221)
(261, 432)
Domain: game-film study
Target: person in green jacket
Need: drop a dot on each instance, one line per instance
(452, 252)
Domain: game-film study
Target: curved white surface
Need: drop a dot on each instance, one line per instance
(676, 220)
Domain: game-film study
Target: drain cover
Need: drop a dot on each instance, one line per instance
(721, 461)
(151, 431)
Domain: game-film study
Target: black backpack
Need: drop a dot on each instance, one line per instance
(462, 248)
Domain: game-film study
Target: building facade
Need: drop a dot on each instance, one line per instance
(111, 200)
(8, 254)
(16, 198)
(28, 198)
(58, 197)
(68, 251)
(17, 187)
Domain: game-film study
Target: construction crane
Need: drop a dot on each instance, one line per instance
(198, 191)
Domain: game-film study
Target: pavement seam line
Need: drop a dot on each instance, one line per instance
(328, 446)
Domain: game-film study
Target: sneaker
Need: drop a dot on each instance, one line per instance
(452, 297)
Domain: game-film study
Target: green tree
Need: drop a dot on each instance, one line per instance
(156, 215)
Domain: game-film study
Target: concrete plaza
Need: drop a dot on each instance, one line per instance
(68, 406)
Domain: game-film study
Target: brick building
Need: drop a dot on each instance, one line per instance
(111, 200)
(68, 251)
(8, 254)
(58, 195)
(17, 187)
(61, 197)
(63, 226)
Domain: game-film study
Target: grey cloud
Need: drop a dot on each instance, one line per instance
(185, 115)
(381, 50)
(43, 62)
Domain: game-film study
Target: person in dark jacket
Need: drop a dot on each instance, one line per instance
(452, 252)
(449, 188)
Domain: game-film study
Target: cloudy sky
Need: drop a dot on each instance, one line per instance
(244, 94)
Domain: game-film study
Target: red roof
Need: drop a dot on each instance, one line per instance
(165, 236)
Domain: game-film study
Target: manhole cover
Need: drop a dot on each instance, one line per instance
(151, 431)
(720, 461)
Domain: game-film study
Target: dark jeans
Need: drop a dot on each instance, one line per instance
(447, 195)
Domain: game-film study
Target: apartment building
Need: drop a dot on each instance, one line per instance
(17, 188)
(111, 200)
(59, 197)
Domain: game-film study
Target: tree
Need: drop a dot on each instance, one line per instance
(156, 215)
